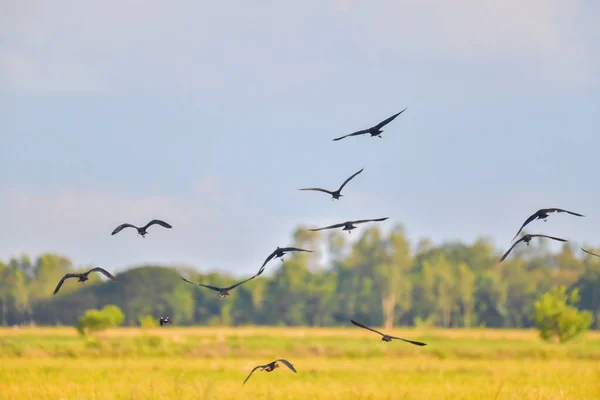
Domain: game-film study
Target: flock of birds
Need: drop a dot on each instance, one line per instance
(279, 252)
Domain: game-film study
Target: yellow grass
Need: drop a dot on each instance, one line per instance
(350, 332)
(348, 363)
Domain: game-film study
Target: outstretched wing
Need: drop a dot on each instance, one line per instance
(296, 249)
(527, 221)
(348, 180)
(509, 250)
(329, 227)
(203, 285)
(360, 221)
(249, 279)
(121, 227)
(566, 211)
(589, 252)
(67, 276)
(318, 190)
(268, 259)
(550, 237)
(288, 364)
(365, 327)
(105, 272)
(387, 121)
(157, 222)
(410, 341)
(251, 372)
(361, 132)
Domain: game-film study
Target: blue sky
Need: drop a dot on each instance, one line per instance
(211, 114)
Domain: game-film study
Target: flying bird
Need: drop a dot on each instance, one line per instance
(280, 251)
(165, 320)
(142, 230)
(589, 252)
(349, 225)
(387, 338)
(374, 130)
(270, 367)
(527, 239)
(335, 195)
(543, 214)
(83, 277)
(224, 291)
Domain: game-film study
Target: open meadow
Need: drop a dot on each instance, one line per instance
(332, 363)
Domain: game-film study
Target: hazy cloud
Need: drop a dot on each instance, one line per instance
(212, 228)
(34, 75)
(71, 45)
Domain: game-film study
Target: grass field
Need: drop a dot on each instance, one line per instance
(333, 363)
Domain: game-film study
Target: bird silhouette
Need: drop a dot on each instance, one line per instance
(527, 239)
(270, 367)
(543, 214)
(589, 252)
(349, 225)
(280, 251)
(83, 277)
(374, 130)
(387, 338)
(165, 320)
(224, 291)
(335, 195)
(142, 230)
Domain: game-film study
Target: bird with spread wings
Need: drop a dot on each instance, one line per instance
(527, 239)
(543, 214)
(336, 194)
(349, 225)
(224, 291)
(270, 367)
(387, 338)
(374, 130)
(142, 230)
(280, 252)
(83, 277)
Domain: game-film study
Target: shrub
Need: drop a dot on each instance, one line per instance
(97, 320)
(557, 317)
(147, 321)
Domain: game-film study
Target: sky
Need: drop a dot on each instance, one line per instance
(210, 115)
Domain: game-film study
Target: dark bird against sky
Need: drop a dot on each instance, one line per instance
(589, 252)
(84, 277)
(374, 130)
(224, 291)
(527, 239)
(387, 338)
(270, 367)
(543, 214)
(349, 225)
(335, 194)
(280, 251)
(142, 230)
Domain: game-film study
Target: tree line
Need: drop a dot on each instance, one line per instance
(381, 279)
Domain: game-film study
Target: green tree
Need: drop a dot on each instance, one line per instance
(589, 286)
(393, 277)
(372, 277)
(147, 321)
(466, 291)
(557, 317)
(97, 320)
